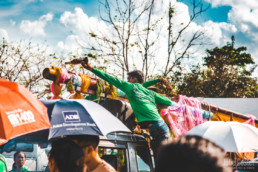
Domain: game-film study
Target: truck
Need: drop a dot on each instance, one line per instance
(126, 152)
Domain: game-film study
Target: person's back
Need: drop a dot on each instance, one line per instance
(103, 166)
(191, 153)
(143, 102)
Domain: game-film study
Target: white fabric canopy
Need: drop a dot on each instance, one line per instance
(239, 105)
(231, 136)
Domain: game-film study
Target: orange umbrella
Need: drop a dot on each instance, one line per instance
(20, 111)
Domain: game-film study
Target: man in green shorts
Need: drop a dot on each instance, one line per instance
(143, 102)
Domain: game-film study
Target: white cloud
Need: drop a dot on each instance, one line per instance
(46, 18)
(81, 25)
(243, 3)
(181, 15)
(243, 15)
(3, 34)
(36, 28)
(215, 33)
(244, 28)
(76, 22)
(70, 45)
(13, 23)
(218, 33)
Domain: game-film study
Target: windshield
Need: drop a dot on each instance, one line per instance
(35, 156)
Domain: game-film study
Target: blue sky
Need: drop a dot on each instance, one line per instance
(216, 14)
(19, 10)
(59, 21)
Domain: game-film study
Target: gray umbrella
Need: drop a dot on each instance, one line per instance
(78, 117)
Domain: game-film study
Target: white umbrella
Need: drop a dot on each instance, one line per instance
(231, 136)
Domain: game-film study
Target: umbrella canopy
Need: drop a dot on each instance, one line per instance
(231, 136)
(20, 111)
(81, 117)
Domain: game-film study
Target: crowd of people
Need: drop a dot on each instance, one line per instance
(79, 153)
(188, 153)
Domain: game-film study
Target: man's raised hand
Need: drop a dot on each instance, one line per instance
(85, 64)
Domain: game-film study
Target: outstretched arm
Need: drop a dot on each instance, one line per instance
(150, 82)
(164, 100)
(163, 81)
(122, 85)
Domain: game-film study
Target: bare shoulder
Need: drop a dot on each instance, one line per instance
(104, 167)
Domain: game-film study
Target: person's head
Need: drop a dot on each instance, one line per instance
(65, 156)
(89, 144)
(19, 159)
(135, 76)
(191, 153)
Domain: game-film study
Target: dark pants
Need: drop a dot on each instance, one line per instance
(159, 133)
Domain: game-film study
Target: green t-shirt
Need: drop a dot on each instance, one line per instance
(22, 169)
(3, 165)
(142, 100)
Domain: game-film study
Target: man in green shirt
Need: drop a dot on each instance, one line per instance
(143, 102)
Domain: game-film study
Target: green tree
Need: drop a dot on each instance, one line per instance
(226, 74)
